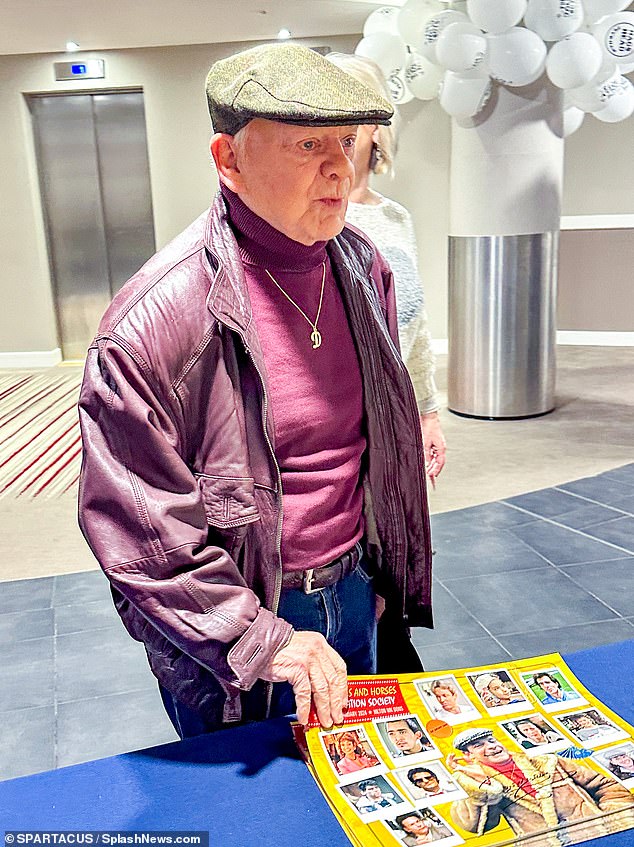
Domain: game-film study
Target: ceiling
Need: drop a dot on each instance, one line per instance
(44, 26)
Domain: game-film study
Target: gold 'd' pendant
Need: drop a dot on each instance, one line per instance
(315, 337)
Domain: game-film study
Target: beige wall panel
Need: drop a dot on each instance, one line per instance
(596, 276)
(598, 169)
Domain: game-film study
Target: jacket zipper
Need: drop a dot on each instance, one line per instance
(278, 536)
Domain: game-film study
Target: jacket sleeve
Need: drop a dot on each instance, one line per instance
(480, 810)
(141, 512)
(607, 793)
(421, 365)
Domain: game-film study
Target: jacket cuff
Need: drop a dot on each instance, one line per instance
(481, 794)
(252, 653)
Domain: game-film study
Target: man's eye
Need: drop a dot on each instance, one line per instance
(308, 145)
(349, 142)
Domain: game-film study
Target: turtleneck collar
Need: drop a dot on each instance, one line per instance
(261, 244)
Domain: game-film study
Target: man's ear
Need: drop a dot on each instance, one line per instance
(225, 155)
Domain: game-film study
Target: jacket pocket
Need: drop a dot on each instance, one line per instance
(228, 501)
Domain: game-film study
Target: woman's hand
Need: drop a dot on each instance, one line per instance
(434, 445)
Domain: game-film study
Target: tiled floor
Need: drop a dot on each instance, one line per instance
(549, 570)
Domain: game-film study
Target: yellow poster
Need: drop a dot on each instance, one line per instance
(511, 753)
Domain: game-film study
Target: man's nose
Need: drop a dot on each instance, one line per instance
(336, 164)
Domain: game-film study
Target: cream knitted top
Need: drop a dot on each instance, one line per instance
(389, 226)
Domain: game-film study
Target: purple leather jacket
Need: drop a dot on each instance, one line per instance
(180, 495)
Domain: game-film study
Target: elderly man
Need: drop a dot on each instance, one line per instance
(533, 794)
(253, 467)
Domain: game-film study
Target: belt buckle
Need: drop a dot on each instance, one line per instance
(307, 582)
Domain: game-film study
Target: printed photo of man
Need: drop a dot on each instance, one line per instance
(532, 794)
(405, 736)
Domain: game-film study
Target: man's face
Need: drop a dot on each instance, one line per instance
(415, 825)
(447, 696)
(548, 685)
(297, 178)
(623, 760)
(585, 722)
(532, 732)
(403, 737)
(487, 751)
(427, 781)
(373, 792)
(499, 689)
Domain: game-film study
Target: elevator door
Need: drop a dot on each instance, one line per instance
(95, 187)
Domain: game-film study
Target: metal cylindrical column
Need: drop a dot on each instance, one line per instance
(502, 325)
(506, 178)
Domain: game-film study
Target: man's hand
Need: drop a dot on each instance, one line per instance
(380, 607)
(472, 769)
(434, 444)
(314, 670)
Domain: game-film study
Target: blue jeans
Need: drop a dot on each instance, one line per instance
(344, 613)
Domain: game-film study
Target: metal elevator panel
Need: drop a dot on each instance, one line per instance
(125, 183)
(95, 187)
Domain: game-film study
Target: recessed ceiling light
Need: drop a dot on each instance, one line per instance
(284, 33)
(72, 46)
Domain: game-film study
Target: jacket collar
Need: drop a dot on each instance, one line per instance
(228, 298)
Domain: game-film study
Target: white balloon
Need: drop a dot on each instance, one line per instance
(573, 118)
(412, 18)
(422, 77)
(383, 19)
(596, 9)
(554, 19)
(516, 57)
(496, 15)
(620, 106)
(461, 47)
(596, 94)
(615, 34)
(574, 61)
(464, 95)
(388, 51)
(432, 29)
(399, 91)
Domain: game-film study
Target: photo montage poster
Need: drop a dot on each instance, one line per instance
(484, 756)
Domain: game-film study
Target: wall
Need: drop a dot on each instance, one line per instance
(183, 180)
(599, 178)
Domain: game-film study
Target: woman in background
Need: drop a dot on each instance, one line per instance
(389, 226)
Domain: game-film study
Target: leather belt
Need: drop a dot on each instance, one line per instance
(314, 579)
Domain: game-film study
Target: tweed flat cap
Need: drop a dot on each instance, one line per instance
(291, 84)
(468, 736)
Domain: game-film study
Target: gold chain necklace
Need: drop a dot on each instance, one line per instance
(315, 335)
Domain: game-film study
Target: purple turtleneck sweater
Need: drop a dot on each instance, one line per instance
(315, 396)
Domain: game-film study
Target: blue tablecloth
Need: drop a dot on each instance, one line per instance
(246, 786)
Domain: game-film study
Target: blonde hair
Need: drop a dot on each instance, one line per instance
(369, 73)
